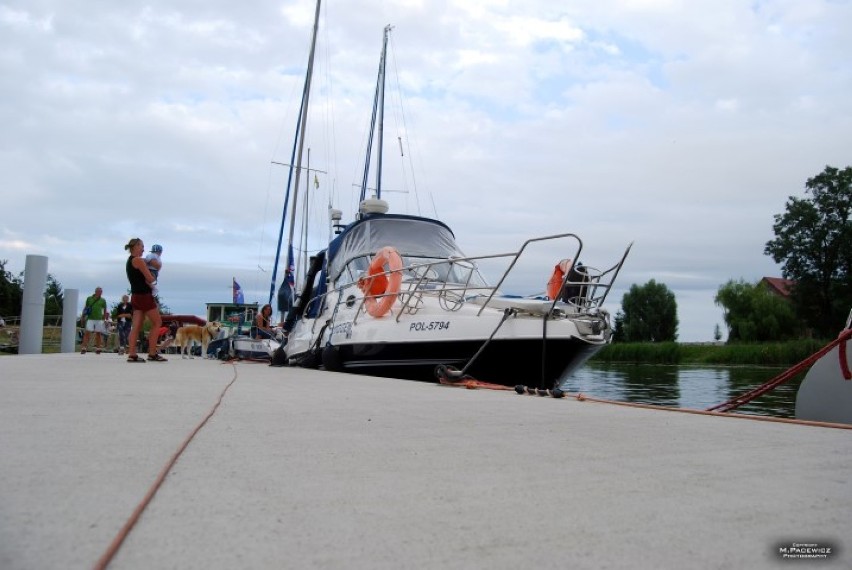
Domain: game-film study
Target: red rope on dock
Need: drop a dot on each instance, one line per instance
(581, 398)
(110, 553)
(472, 384)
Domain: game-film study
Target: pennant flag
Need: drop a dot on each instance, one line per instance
(238, 293)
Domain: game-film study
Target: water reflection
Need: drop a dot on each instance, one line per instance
(685, 386)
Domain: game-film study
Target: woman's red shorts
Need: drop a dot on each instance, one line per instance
(143, 302)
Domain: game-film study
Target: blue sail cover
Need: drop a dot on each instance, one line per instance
(411, 236)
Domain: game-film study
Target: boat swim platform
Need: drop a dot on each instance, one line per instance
(302, 469)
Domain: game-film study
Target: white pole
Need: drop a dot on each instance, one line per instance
(69, 320)
(32, 308)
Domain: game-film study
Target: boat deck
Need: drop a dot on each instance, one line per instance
(306, 469)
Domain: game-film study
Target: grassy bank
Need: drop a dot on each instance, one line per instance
(755, 354)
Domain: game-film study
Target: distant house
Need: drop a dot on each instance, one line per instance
(778, 286)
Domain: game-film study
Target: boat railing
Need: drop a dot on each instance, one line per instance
(592, 286)
(451, 294)
(595, 284)
(517, 256)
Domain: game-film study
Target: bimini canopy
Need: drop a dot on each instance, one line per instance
(410, 235)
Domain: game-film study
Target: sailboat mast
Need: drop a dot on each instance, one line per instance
(378, 115)
(303, 251)
(300, 137)
(383, 67)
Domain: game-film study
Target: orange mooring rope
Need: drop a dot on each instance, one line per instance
(110, 553)
(472, 384)
(747, 397)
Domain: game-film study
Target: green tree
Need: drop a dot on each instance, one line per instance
(11, 292)
(813, 242)
(54, 297)
(650, 313)
(753, 314)
(618, 328)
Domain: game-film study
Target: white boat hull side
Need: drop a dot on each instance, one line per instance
(415, 344)
(824, 394)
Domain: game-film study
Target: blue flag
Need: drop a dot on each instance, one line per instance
(238, 293)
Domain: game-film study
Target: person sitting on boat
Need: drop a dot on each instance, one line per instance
(262, 326)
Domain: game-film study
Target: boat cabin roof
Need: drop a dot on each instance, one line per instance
(411, 236)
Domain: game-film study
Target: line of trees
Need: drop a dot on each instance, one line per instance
(813, 244)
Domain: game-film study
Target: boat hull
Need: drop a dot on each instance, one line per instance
(242, 347)
(507, 362)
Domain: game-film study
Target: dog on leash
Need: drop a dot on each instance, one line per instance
(188, 334)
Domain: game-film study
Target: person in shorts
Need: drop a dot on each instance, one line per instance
(92, 320)
(143, 301)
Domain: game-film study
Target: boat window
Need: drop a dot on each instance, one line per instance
(443, 271)
(425, 269)
(353, 271)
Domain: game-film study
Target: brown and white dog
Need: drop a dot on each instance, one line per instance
(188, 334)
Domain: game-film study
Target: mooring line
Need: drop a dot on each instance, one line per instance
(114, 547)
(815, 423)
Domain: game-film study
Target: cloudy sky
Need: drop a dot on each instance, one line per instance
(682, 126)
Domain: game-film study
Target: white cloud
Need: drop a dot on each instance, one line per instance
(24, 20)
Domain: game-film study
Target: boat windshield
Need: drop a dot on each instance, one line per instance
(422, 270)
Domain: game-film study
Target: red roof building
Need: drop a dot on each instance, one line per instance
(778, 285)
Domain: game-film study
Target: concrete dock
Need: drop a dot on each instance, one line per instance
(307, 469)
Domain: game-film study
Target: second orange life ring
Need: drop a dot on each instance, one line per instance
(380, 287)
(555, 283)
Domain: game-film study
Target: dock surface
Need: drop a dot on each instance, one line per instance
(308, 469)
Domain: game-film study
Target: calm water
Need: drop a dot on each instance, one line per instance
(685, 386)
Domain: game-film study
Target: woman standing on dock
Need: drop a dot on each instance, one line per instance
(142, 299)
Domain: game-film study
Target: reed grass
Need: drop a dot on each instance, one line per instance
(749, 354)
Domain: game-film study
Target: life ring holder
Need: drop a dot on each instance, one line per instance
(558, 277)
(381, 286)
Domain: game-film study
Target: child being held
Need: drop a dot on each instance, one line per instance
(154, 263)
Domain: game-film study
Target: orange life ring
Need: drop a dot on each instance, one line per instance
(555, 283)
(380, 287)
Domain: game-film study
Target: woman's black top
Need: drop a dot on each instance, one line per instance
(136, 278)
